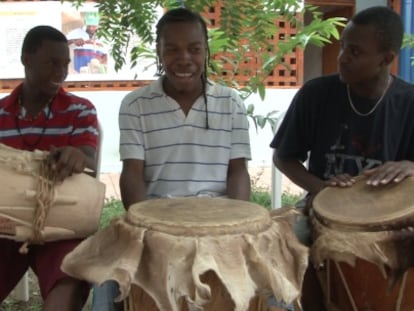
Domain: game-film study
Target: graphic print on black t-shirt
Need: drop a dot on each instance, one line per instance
(320, 127)
(356, 148)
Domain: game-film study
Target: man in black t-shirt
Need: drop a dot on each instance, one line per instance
(358, 121)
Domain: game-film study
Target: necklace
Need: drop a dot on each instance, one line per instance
(376, 104)
(32, 145)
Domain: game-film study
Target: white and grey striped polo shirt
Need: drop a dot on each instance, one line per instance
(182, 157)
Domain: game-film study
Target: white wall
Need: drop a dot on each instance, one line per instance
(107, 104)
(276, 99)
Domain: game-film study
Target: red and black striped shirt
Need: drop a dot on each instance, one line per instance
(68, 121)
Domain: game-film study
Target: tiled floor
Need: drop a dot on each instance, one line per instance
(261, 177)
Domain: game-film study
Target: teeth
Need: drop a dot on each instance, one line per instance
(183, 75)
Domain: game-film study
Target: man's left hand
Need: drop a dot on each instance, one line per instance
(67, 161)
(389, 172)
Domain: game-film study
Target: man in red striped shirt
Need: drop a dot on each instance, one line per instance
(39, 114)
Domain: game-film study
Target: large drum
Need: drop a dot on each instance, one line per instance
(195, 254)
(34, 209)
(364, 242)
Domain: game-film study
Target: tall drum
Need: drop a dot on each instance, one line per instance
(34, 209)
(364, 241)
(195, 254)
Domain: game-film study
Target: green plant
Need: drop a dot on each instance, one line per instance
(408, 42)
(290, 199)
(11, 304)
(112, 208)
(264, 198)
(261, 197)
(246, 28)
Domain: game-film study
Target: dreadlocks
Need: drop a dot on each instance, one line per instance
(184, 15)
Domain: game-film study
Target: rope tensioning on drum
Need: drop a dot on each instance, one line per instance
(46, 180)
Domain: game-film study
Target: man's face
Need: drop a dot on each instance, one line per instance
(91, 29)
(182, 51)
(360, 58)
(47, 68)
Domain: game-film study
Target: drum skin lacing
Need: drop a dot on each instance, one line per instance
(46, 180)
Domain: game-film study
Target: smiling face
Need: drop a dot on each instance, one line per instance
(361, 59)
(182, 50)
(47, 67)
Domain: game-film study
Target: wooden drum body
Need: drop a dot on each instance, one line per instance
(363, 245)
(75, 204)
(195, 254)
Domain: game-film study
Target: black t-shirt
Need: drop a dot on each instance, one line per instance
(320, 123)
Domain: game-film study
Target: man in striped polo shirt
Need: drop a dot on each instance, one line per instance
(39, 114)
(182, 135)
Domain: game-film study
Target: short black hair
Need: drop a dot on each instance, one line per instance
(35, 37)
(387, 22)
(180, 15)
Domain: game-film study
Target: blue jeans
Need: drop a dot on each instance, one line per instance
(272, 302)
(104, 295)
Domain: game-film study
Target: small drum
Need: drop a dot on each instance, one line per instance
(195, 254)
(364, 241)
(28, 199)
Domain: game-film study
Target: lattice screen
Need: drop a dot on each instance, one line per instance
(282, 76)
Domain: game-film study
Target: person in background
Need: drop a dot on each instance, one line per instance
(356, 122)
(182, 135)
(40, 114)
(89, 54)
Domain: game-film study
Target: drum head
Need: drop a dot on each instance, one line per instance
(366, 207)
(199, 216)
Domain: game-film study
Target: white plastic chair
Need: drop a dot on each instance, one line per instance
(276, 174)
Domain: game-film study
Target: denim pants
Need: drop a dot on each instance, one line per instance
(104, 295)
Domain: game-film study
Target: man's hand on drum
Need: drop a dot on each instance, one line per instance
(342, 180)
(67, 161)
(389, 172)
